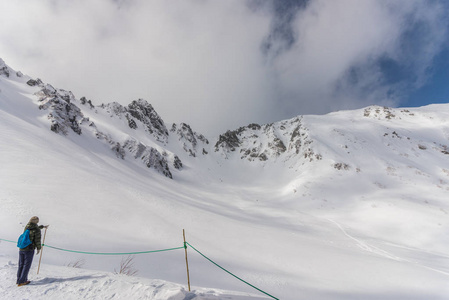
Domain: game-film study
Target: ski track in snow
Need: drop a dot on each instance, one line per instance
(364, 246)
(376, 250)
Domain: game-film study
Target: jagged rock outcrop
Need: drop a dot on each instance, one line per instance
(84, 101)
(145, 113)
(190, 141)
(115, 109)
(268, 142)
(4, 70)
(64, 115)
(229, 141)
(33, 82)
(151, 157)
(379, 112)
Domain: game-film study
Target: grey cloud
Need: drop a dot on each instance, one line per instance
(336, 62)
(221, 64)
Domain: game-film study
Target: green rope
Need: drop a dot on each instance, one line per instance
(8, 241)
(231, 273)
(107, 253)
(153, 251)
(111, 253)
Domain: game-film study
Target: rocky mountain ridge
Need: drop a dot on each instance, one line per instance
(136, 132)
(68, 115)
(255, 142)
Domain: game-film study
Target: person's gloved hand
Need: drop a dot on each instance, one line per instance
(46, 226)
(38, 250)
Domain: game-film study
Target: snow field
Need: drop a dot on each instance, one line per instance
(293, 228)
(74, 283)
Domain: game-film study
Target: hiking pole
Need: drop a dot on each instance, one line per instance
(42, 250)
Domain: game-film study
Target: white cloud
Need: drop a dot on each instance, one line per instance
(335, 62)
(200, 62)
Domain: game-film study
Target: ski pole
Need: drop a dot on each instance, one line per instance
(42, 250)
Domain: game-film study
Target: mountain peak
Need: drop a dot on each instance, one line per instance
(144, 112)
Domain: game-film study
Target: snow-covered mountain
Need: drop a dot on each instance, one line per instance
(70, 115)
(349, 205)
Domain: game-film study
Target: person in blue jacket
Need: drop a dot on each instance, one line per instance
(26, 254)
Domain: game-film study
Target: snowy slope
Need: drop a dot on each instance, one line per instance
(74, 283)
(351, 205)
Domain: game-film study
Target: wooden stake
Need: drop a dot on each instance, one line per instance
(187, 262)
(42, 250)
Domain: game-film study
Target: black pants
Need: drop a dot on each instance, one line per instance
(25, 261)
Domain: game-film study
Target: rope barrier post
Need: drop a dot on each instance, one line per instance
(42, 250)
(187, 262)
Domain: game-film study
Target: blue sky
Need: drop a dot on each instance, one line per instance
(218, 65)
(436, 89)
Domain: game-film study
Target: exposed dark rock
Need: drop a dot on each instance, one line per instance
(119, 150)
(151, 157)
(145, 113)
(228, 141)
(177, 163)
(83, 101)
(188, 138)
(33, 82)
(268, 142)
(62, 113)
(278, 146)
(4, 69)
(254, 126)
(131, 123)
(379, 112)
(115, 109)
(49, 90)
(341, 166)
(263, 157)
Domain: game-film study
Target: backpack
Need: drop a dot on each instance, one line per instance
(24, 240)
